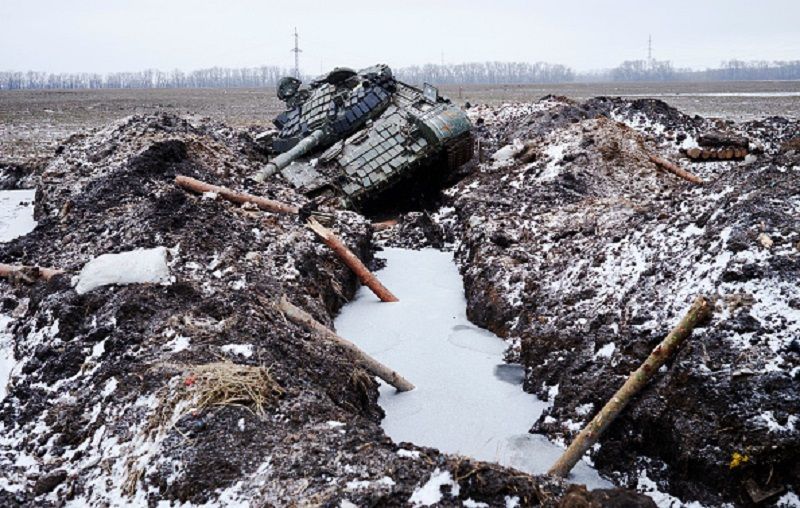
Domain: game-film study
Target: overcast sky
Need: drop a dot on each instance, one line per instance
(118, 35)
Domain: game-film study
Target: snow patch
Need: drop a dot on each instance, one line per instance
(774, 426)
(408, 454)
(663, 500)
(606, 351)
(363, 484)
(178, 344)
(471, 503)
(788, 500)
(245, 350)
(7, 360)
(431, 493)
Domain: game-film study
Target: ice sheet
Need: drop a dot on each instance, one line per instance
(16, 219)
(467, 401)
(16, 213)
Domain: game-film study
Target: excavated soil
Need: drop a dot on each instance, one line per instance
(106, 405)
(583, 254)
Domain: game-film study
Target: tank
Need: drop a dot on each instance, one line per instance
(354, 135)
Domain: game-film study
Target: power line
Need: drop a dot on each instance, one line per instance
(296, 52)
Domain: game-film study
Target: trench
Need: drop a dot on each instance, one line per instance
(16, 219)
(467, 400)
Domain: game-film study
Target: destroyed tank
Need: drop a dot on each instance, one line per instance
(353, 135)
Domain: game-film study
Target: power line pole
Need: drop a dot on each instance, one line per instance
(296, 52)
(650, 50)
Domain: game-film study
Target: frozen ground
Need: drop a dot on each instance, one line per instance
(16, 219)
(467, 400)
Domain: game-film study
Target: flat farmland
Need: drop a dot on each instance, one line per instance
(34, 122)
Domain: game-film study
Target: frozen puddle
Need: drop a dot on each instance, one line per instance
(16, 219)
(467, 400)
(16, 213)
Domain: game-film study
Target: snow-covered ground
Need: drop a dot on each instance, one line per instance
(467, 400)
(16, 219)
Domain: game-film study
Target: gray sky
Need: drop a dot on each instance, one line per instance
(117, 35)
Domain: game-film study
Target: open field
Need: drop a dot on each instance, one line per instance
(34, 122)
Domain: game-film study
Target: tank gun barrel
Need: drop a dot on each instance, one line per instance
(305, 145)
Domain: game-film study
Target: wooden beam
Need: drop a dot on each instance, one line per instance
(304, 319)
(200, 187)
(28, 273)
(698, 312)
(675, 170)
(351, 260)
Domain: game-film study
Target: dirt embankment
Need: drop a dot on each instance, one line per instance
(198, 389)
(583, 254)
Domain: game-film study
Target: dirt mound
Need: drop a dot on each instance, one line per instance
(584, 254)
(197, 389)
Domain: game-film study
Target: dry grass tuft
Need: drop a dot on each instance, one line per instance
(227, 383)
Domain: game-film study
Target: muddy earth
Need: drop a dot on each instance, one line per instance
(197, 389)
(583, 255)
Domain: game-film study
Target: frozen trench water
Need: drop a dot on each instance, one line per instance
(16, 219)
(467, 400)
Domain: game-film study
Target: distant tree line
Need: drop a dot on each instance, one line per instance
(643, 70)
(218, 77)
(215, 77)
(737, 70)
(449, 74)
(487, 73)
(731, 70)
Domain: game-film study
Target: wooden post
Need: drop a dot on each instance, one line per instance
(28, 273)
(269, 205)
(698, 312)
(304, 319)
(351, 260)
(675, 170)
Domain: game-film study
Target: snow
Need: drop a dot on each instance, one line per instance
(408, 454)
(16, 219)
(136, 266)
(245, 350)
(464, 402)
(772, 424)
(508, 152)
(7, 360)
(431, 493)
(110, 386)
(788, 500)
(16, 213)
(178, 344)
(662, 500)
(363, 484)
(471, 503)
(606, 351)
